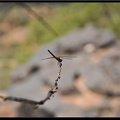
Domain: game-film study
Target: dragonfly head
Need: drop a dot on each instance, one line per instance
(60, 60)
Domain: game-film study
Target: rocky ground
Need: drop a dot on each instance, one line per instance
(89, 84)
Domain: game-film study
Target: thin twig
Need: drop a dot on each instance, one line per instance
(37, 103)
(40, 18)
(8, 7)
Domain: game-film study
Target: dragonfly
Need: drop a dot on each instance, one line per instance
(58, 58)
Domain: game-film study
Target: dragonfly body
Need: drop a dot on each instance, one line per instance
(58, 58)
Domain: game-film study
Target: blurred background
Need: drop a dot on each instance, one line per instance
(90, 82)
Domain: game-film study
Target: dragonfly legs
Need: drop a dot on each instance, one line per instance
(59, 64)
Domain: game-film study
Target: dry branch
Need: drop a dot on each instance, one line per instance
(37, 103)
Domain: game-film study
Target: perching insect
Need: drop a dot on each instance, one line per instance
(58, 58)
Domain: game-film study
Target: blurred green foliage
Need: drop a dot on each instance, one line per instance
(63, 19)
(73, 16)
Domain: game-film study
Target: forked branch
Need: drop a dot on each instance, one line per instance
(37, 103)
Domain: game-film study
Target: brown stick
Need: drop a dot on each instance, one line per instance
(37, 103)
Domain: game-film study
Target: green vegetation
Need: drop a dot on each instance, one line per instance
(67, 18)
(63, 19)
(74, 16)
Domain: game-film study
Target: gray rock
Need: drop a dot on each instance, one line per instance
(26, 110)
(96, 79)
(30, 88)
(53, 104)
(89, 112)
(103, 76)
(71, 42)
(104, 104)
(35, 73)
(115, 74)
(105, 38)
(67, 110)
(75, 40)
(118, 113)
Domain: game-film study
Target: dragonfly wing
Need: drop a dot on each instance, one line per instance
(67, 57)
(47, 58)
